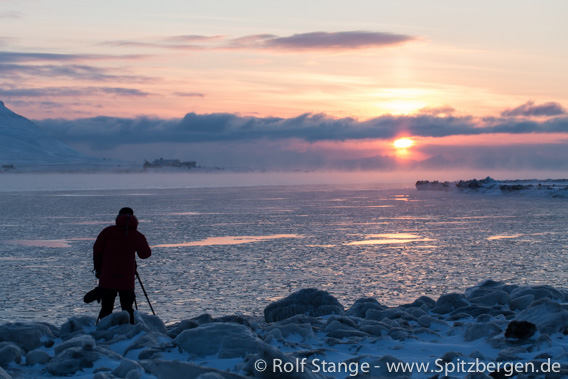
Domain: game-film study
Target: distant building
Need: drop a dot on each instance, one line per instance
(158, 163)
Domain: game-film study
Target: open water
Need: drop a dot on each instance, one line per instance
(232, 250)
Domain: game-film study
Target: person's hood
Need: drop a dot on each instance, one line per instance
(127, 221)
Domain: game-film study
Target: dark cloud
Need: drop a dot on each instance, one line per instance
(330, 41)
(15, 57)
(530, 109)
(336, 41)
(10, 57)
(18, 68)
(217, 127)
(320, 41)
(73, 71)
(69, 92)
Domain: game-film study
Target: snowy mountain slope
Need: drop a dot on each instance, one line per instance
(27, 147)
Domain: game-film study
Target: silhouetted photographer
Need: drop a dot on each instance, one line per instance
(114, 256)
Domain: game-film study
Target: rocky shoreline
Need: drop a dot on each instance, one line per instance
(493, 329)
(549, 187)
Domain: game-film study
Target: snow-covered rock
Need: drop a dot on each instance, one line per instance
(520, 329)
(309, 301)
(83, 341)
(37, 357)
(9, 353)
(228, 340)
(548, 316)
(481, 324)
(74, 359)
(28, 336)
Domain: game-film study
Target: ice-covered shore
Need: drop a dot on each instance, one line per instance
(491, 327)
(533, 187)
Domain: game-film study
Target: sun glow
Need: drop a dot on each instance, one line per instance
(403, 143)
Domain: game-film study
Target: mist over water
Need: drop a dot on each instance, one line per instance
(196, 179)
(225, 245)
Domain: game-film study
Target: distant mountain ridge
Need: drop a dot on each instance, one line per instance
(27, 147)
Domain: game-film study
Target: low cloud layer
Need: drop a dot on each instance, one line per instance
(312, 141)
(105, 132)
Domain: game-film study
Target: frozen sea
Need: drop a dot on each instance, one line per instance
(224, 248)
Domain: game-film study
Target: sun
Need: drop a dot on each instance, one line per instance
(403, 143)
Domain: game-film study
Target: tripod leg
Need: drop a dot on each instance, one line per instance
(145, 294)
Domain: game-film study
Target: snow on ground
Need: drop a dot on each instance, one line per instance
(516, 330)
(533, 187)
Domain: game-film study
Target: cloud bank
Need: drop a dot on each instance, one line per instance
(105, 132)
(316, 141)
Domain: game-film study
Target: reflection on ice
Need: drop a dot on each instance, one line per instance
(390, 238)
(228, 240)
(500, 237)
(39, 243)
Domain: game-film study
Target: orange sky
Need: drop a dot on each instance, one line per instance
(361, 60)
(171, 58)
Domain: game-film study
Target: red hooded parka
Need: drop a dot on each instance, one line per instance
(114, 253)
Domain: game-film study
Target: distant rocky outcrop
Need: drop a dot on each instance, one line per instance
(548, 187)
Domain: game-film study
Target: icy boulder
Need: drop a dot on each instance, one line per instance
(228, 340)
(477, 330)
(9, 353)
(538, 292)
(520, 329)
(361, 306)
(37, 357)
(75, 325)
(548, 316)
(84, 341)
(309, 301)
(73, 359)
(449, 302)
(28, 336)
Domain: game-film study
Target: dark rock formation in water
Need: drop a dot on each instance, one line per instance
(548, 187)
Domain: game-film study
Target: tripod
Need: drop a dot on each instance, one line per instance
(145, 294)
